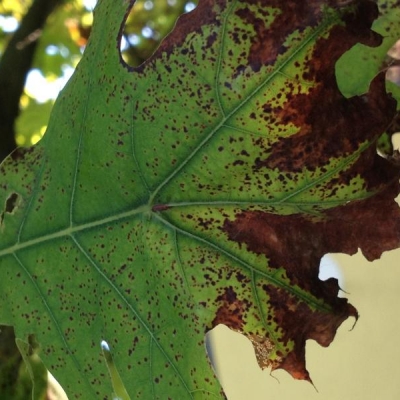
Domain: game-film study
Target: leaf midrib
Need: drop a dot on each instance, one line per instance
(71, 230)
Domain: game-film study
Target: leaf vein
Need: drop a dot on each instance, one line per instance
(140, 319)
(56, 323)
(291, 289)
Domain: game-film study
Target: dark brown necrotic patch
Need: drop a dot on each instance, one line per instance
(330, 125)
(267, 42)
(298, 242)
(290, 315)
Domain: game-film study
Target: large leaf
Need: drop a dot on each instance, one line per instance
(200, 188)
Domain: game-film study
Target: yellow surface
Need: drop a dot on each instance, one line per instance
(361, 364)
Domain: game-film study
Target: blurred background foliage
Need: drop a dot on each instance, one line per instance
(60, 45)
(41, 42)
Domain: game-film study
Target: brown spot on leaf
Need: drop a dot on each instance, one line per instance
(230, 312)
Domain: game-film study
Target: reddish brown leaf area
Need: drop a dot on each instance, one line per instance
(317, 325)
(299, 250)
(230, 312)
(329, 125)
(160, 207)
(347, 225)
(267, 44)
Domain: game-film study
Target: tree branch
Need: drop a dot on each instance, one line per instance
(14, 67)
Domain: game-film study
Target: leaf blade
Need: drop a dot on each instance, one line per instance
(174, 200)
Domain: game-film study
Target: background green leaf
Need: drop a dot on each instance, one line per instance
(357, 67)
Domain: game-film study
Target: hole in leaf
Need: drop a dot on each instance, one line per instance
(393, 75)
(148, 23)
(11, 203)
(394, 51)
(393, 72)
(329, 268)
(396, 141)
(104, 345)
(9, 206)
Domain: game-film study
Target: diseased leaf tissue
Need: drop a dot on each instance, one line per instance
(200, 188)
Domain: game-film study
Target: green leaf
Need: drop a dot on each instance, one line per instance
(200, 188)
(357, 67)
